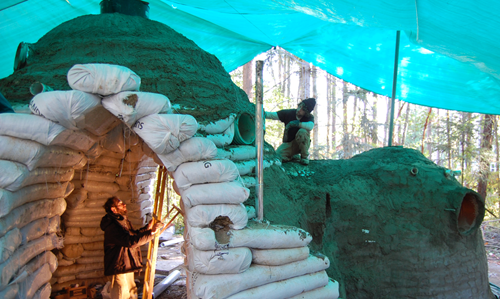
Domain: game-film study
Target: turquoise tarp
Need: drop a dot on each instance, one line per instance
(449, 53)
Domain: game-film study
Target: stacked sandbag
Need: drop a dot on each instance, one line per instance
(281, 267)
(220, 132)
(38, 158)
(121, 165)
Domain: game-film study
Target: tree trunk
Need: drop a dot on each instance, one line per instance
(315, 113)
(247, 79)
(448, 137)
(333, 99)
(407, 115)
(328, 114)
(354, 110)
(375, 121)
(287, 81)
(345, 139)
(387, 120)
(486, 145)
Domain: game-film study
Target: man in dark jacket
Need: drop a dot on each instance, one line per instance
(122, 253)
(298, 123)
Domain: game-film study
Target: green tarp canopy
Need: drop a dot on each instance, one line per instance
(449, 51)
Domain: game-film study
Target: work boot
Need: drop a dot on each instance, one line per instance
(296, 157)
(286, 159)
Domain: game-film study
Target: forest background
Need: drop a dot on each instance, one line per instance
(350, 120)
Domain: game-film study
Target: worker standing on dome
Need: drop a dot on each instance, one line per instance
(296, 136)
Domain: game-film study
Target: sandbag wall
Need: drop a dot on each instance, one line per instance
(38, 159)
(228, 256)
(58, 168)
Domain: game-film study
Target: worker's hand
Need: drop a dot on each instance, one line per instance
(156, 228)
(293, 123)
(150, 224)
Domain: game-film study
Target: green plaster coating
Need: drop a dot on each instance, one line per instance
(167, 62)
(387, 232)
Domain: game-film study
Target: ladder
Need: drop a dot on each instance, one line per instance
(149, 275)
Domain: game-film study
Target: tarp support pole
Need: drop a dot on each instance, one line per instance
(259, 138)
(394, 85)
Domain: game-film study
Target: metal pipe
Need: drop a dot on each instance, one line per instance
(164, 284)
(259, 138)
(394, 86)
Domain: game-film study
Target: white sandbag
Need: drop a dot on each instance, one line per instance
(46, 257)
(33, 282)
(34, 155)
(29, 126)
(285, 288)
(276, 257)
(10, 292)
(102, 79)
(43, 292)
(223, 139)
(72, 251)
(75, 139)
(164, 132)
(237, 153)
(246, 167)
(81, 218)
(15, 175)
(9, 243)
(251, 212)
(34, 229)
(25, 253)
(94, 186)
(203, 215)
(54, 224)
(77, 197)
(225, 285)
(95, 175)
(82, 239)
(226, 261)
(93, 246)
(135, 153)
(136, 188)
(91, 232)
(137, 206)
(11, 200)
(128, 180)
(216, 193)
(138, 171)
(91, 274)
(140, 213)
(29, 212)
(77, 268)
(79, 211)
(215, 171)
(193, 149)
(248, 181)
(330, 291)
(64, 107)
(90, 253)
(255, 235)
(108, 161)
(129, 106)
(219, 126)
(114, 141)
(90, 259)
(94, 196)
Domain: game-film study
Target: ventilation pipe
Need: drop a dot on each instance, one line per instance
(259, 138)
(126, 7)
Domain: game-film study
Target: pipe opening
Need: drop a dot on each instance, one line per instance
(244, 129)
(469, 212)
